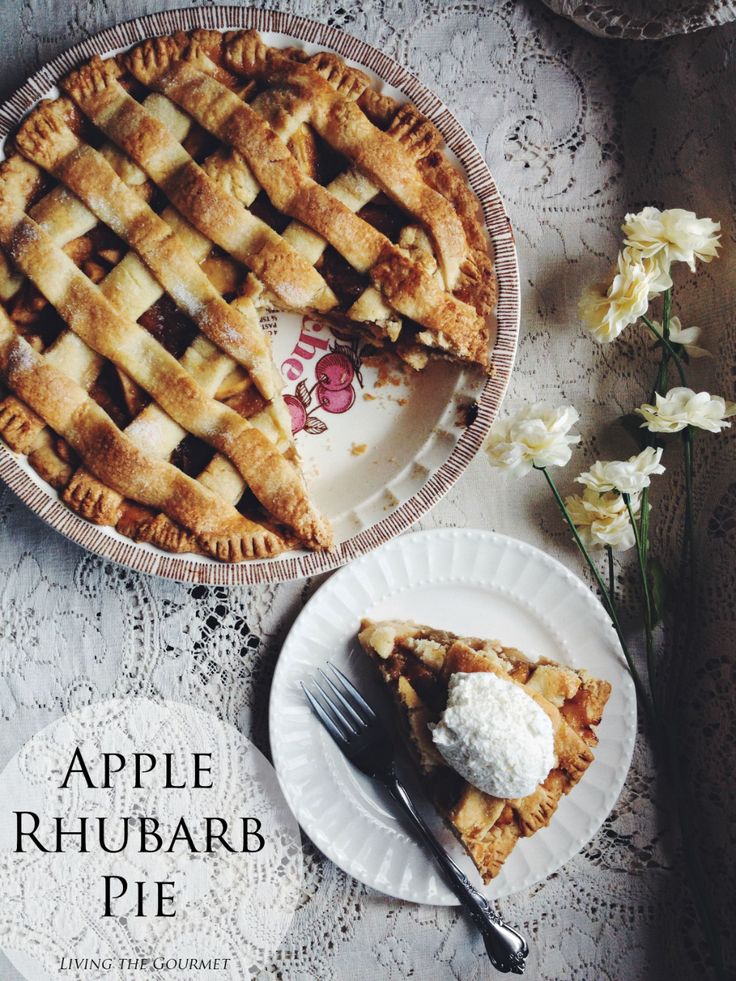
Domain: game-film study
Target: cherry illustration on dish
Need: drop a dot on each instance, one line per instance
(333, 389)
(334, 372)
(335, 400)
(297, 411)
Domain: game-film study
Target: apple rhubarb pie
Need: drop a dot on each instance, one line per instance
(151, 213)
(499, 738)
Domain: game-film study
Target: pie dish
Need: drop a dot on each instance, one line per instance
(151, 213)
(416, 662)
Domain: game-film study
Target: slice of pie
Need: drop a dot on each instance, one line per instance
(417, 663)
(152, 213)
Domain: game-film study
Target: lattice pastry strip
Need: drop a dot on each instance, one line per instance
(131, 288)
(210, 209)
(96, 89)
(419, 141)
(91, 167)
(405, 284)
(70, 412)
(352, 188)
(88, 313)
(338, 120)
(128, 285)
(293, 282)
(154, 426)
(49, 142)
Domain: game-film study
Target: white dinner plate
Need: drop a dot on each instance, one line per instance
(379, 447)
(471, 582)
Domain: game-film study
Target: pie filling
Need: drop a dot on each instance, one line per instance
(418, 664)
(151, 213)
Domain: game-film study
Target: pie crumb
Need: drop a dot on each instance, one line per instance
(358, 449)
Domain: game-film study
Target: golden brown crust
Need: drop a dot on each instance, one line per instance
(52, 145)
(47, 462)
(92, 500)
(236, 123)
(415, 133)
(147, 141)
(337, 118)
(269, 143)
(90, 315)
(116, 461)
(350, 83)
(19, 425)
(413, 658)
(477, 282)
(144, 525)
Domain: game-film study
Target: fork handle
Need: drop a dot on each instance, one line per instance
(507, 949)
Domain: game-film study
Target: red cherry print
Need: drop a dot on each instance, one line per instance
(334, 372)
(335, 401)
(297, 412)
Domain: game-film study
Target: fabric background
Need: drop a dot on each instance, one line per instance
(645, 20)
(577, 130)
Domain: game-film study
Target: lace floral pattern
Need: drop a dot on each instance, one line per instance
(577, 131)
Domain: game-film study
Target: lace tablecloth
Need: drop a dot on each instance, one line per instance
(577, 130)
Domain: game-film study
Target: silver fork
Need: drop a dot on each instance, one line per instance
(355, 727)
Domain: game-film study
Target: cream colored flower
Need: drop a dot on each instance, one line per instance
(602, 519)
(686, 336)
(536, 435)
(626, 476)
(680, 236)
(657, 268)
(607, 308)
(682, 407)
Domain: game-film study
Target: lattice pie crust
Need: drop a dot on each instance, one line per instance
(150, 213)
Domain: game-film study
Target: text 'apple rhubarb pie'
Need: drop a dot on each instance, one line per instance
(151, 213)
(477, 713)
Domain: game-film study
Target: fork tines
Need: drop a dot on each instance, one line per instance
(341, 709)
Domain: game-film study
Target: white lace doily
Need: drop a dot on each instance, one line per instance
(577, 130)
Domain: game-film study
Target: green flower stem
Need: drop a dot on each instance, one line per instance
(660, 382)
(611, 575)
(660, 385)
(668, 347)
(644, 527)
(648, 634)
(666, 310)
(608, 601)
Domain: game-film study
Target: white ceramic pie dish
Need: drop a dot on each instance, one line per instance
(474, 583)
(379, 452)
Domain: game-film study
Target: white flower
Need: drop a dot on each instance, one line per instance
(536, 435)
(608, 308)
(686, 336)
(675, 235)
(626, 476)
(603, 519)
(682, 407)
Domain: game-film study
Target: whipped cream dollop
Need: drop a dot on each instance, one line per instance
(495, 735)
